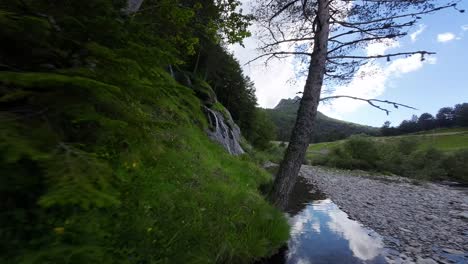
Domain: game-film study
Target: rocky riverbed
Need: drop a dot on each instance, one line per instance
(422, 223)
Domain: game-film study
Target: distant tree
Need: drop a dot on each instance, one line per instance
(426, 121)
(387, 130)
(264, 131)
(445, 117)
(461, 114)
(408, 126)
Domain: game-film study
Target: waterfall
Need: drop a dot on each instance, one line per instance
(224, 131)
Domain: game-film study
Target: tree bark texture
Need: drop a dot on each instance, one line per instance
(301, 135)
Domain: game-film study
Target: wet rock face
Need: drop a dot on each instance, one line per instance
(133, 6)
(422, 224)
(224, 131)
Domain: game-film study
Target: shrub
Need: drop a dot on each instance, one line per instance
(456, 165)
(425, 164)
(359, 152)
(363, 151)
(407, 146)
(402, 157)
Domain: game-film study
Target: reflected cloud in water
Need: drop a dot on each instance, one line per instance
(322, 233)
(364, 243)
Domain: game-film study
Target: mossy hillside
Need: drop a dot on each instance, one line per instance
(97, 171)
(103, 154)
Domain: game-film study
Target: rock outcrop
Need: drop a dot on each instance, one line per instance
(224, 131)
(133, 6)
(222, 128)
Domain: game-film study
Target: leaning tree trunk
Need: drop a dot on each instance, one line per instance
(301, 135)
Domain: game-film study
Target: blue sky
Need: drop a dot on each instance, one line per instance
(433, 86)
(442, 80)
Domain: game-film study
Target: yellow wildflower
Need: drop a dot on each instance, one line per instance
(59, 230)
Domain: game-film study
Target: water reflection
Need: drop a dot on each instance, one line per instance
(302, 194)
(322, 233)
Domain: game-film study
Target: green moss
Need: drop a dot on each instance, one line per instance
(220, 108)
(210, 206)
(204, 91)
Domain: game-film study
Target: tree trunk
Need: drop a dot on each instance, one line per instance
(301, 135)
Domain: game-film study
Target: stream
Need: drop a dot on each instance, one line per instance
(322, 233)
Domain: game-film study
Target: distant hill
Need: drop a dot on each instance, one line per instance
(326, 128)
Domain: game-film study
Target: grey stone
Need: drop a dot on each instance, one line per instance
(405, 230)
(425, 261)
(452, 251)
(463, 215)
(431, 217)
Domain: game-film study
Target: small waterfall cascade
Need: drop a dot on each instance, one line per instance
(224, 131)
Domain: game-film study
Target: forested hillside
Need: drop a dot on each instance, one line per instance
(326, 128)
(103, 151)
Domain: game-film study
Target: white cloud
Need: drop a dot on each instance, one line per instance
(378, 48)
(363, 246)
(464, 27)
(414, 35)
(271, 82)
(445, 37)
(406, 65)
(370, 81)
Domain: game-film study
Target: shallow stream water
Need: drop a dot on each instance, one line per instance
(322, 233)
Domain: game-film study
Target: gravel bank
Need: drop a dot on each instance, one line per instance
(423, 224)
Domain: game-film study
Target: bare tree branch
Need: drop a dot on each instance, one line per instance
(370, 101)
(386, 1)
(368, 30)
(422, 52)
(278, 53)
(350, 43)
(345, 24)
(283, 9)
(285, 41)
